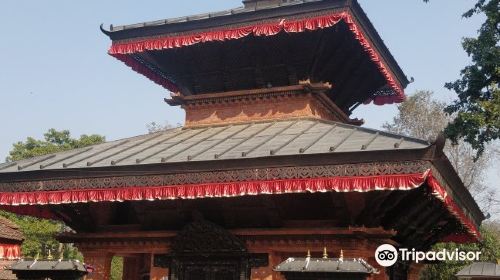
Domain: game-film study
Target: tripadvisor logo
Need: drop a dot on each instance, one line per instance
(387, 255)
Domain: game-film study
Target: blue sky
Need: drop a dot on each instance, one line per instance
(55, 72)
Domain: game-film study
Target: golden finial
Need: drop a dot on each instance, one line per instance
(308, 253)
(341, 255)
(305, 82)
(37, 256)
(325, 253)
(49, 257)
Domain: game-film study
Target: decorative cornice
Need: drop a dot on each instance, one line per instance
(241, 175)
(305, 100)
(262, 93)
(250, 236)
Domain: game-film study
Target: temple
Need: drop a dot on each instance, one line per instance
(269, 164)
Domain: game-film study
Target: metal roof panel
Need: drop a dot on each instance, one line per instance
(250, 140)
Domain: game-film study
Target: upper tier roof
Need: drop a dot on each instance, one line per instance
(276, 44)
(241, 141)
(114, 30)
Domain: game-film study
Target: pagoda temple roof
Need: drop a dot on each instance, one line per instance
(305, 155)
(213, 143)
(307, 33)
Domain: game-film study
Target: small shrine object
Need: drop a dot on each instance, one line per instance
(49, 269)
(325, 268)
(480, 271)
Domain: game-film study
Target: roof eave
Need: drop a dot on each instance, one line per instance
(351, 157)
(156, 28)
(375, 38)
(128, 32)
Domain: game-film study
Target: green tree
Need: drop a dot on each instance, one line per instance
(39, 237)
(117, 268)
(54, 141)
(423, 117)
(40, 233)
(477, 109)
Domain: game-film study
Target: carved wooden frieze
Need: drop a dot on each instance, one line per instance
(239, 175)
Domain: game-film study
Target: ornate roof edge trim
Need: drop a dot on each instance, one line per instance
(124, 51)
(403, 182)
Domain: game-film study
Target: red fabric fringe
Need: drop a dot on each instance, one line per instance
(10, 252)
(150, 74)
(195, 191)
(122, 50)
(235, 189)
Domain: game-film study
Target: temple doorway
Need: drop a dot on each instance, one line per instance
(205, 251)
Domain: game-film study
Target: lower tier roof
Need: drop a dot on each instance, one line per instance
(249, 159)
(240, 141)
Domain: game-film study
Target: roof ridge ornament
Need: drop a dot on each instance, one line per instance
(440, 142)
(262, 3)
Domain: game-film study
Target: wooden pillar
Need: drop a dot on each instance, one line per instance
(131, 268)
(101, 262)
(137, 267)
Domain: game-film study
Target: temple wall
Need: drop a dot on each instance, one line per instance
(245, 111)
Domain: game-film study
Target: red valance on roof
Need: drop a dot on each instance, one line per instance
(10, 252)
(123, 49)
(235, 189)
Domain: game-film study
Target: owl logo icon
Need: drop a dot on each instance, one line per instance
(386, 255)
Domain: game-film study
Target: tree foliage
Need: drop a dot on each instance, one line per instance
(54, 141)
(40, 239)
(478, 106)
(154, 127)
(423, 117)
(117, 268)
